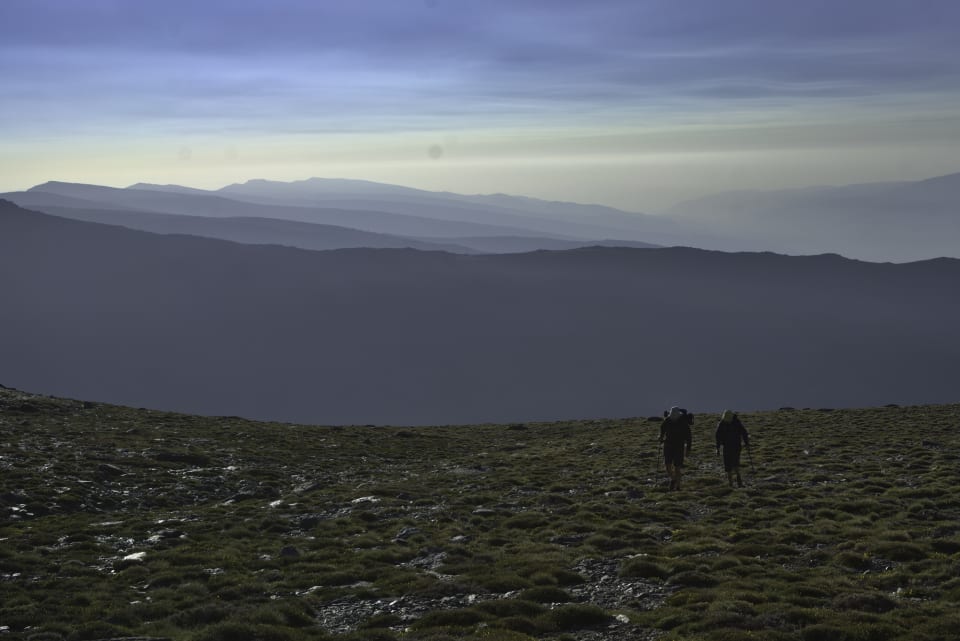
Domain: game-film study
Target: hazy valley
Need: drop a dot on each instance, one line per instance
(442, 328)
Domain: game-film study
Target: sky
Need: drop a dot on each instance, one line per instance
(636, 104)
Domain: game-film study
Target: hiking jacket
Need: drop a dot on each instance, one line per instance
(676, 433)
(730, 434)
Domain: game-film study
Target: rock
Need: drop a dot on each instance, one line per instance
(569, 539)
(12, 498)
(183, 457)
(268, 491)
(109, 470)
(484, 511)
(406, 533)
(136, 639)
(243, 495)
(307, 487)
(309, 521)
(289, 552)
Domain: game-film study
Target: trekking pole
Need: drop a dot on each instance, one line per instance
(750, 458)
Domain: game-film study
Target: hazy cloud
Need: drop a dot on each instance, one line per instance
(411, 55)
(262, 67)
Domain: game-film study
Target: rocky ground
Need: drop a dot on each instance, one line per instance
(121, 523)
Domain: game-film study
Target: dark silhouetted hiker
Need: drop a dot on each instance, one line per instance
(730, 434)
(677, 439)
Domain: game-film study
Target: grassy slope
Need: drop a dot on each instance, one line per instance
(849, 529)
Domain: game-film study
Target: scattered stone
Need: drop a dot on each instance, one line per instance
(484, 511)
(289, 552)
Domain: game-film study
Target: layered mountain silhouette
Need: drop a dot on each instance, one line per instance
(898, 221)
(424, 222)
(402, 336)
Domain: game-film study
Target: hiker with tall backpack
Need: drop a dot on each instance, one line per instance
(730, 434)
(677, 440)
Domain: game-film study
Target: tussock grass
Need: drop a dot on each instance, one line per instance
(847, 529)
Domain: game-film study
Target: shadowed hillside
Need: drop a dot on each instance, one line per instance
(401, 336)
(119, 523)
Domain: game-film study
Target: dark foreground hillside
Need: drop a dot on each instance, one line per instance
(119, 522)
(207, 326)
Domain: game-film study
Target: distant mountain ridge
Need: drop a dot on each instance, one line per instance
(411, 337)
(434, 221)
(894, 221)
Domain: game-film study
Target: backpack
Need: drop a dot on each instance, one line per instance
(685, 416)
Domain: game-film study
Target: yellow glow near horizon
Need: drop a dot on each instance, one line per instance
(633, 168)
